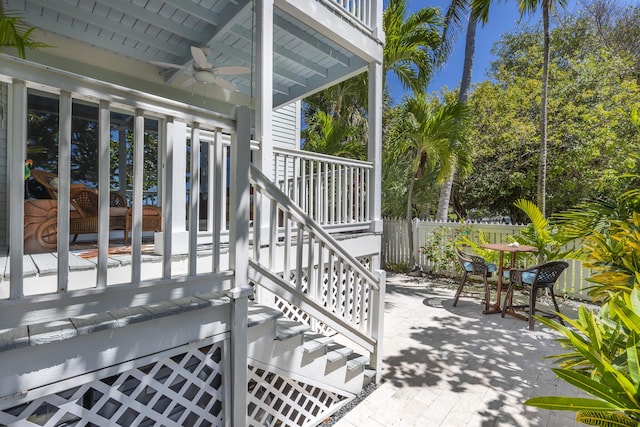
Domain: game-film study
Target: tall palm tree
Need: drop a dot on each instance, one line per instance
(431, 128)
(457, 11)
(530, 6)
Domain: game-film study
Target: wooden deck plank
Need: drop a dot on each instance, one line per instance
(28, 267)
(46, 263)
(77, 263)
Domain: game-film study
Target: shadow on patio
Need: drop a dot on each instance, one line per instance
(454, 366)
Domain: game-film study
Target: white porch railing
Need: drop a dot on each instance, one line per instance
(395, 249)
(332, 190)
(306, 267)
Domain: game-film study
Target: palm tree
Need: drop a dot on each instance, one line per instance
(531, 6)
(411, 44)
(410, 52)
(457, 10)
(327, 135)
(431, 129)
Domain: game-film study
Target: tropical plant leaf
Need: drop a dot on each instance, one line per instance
(606, 419)
(633, 344)
(590, 386)
(561, 403)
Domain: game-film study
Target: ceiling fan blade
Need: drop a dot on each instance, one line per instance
(199, 57)
(232, 70)
(169, 65)
(188, 82)
(225, 84)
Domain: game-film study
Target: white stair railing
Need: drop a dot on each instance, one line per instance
(303, 264)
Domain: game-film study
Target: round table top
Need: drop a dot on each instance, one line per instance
(509, 247)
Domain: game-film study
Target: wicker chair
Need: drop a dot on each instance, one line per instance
(84, 217)
(474, 265)
(151, 220)
(49, 182)
(534, 278)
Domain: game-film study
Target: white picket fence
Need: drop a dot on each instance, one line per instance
(395, 249)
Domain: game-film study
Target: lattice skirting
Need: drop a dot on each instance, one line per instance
(334, 297)
(179, 387)
(275, 400)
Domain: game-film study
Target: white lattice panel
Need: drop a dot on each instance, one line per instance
(278, 401)
(181, 390)
(339, 293)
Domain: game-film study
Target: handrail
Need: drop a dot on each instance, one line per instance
(273, 192)
(322, 157)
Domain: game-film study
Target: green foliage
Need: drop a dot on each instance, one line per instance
(602, 355)
(602, 360)
(614, 257)
(591, 138)
(15, 33)
(439, 249)
(327, 135)
(540, 233)
(397, 267)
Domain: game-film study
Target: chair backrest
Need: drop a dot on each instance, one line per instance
(549, 272)
(85, 200)
(117, 200)
(474, 264)
(48, 180)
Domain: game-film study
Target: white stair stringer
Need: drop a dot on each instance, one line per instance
(281, 345)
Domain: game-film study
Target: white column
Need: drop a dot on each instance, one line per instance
(375, 146)
(17, 102)
(264, 101)
(175, 184)
(239, 262)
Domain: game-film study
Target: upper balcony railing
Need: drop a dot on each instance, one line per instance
(366, 13)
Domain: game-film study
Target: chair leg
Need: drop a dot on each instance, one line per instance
(487, 294)
(555, 304)
(533, 293)
(459, 291)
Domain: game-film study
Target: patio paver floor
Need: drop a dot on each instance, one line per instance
(454, 366)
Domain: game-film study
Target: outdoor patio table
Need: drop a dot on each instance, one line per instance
(502, 248)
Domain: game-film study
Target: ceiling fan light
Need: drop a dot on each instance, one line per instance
(205, 77)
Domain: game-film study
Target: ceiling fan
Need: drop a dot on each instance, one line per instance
(202, 71)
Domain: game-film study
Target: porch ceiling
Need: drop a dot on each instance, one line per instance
(164, 30)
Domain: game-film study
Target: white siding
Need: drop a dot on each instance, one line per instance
(286, 126)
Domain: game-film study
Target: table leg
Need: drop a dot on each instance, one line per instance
(495, 308)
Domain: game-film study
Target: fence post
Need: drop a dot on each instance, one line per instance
(415, 223)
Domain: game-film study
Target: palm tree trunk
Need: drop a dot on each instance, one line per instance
(412, 180)
(463, 95)
(542, 165)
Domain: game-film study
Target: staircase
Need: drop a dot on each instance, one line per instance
(298, 377)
